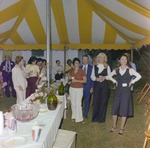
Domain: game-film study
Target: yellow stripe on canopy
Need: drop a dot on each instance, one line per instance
(117, 31)
(16, 39)
(136, 7)
(110, 35)
(18, 21)
(4, 34)
(59, 16)
(85, 22)
(12, 11)
(34, 23)
(119, 20)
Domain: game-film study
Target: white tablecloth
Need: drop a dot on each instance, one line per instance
(52, 120)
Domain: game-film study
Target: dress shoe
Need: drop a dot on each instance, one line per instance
(86, 116)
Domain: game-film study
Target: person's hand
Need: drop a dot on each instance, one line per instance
(3, 68)
(36, 83)
(20, 88)
(74, 80)
(98, 79)
(116, 83)
(91, 90)
(130, 84)
(102, 78)
(69, 77)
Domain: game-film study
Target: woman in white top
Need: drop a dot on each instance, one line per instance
(58, 71)
(101, 88)
(122, 104)
(19, 79)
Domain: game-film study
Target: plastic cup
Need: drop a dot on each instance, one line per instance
(36, 133)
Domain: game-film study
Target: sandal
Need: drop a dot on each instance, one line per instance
(112, 130)
(120, 134)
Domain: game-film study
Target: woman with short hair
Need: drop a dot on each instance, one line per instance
(19, 79)
(77, 77)
(33, 79)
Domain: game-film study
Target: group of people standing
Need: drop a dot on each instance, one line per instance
(87, 80)
(23, 80)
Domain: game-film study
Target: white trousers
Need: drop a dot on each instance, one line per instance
(76, 95)
(20, 95)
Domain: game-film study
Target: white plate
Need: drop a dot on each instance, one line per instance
(14, 141)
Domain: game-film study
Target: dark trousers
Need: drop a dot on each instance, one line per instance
(100, 98)
(58, 76)
(8, 79)
(31, 86)
(86, 94)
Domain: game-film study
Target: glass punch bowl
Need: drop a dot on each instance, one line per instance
(25, 112)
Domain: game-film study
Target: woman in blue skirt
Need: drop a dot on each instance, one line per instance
(122, 103)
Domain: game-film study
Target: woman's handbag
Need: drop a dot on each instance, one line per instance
(67, 86)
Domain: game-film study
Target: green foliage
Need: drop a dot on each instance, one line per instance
(143, 69)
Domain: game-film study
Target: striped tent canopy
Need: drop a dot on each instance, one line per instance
(80, 24)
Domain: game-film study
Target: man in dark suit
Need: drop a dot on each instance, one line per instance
(88, 87)
(6, 68)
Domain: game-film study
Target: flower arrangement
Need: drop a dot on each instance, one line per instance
(40, 96)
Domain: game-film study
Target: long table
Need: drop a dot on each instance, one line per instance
(51, 119)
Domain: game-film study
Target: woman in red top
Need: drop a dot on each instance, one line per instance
(78, 77)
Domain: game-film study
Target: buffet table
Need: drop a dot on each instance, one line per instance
(51, 121)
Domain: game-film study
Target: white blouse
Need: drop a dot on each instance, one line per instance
(132, 72)
(101, 68)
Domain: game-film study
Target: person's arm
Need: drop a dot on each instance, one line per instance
(93, 74)
(62, 69)
(110, 76)
(136, 74)
(15, 79)
(55, 70)
(38, 78)
(84, 80)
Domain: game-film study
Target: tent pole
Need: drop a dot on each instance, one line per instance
(64, 58)
(132, 53)
(48, 6)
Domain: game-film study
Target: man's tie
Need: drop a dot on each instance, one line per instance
(85, 69)
(7, 66)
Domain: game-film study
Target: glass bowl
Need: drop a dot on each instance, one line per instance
(25, 112)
